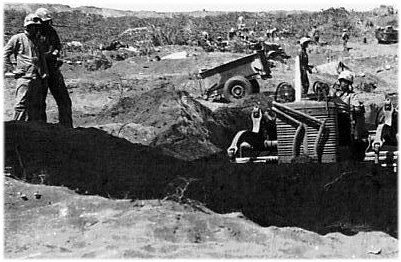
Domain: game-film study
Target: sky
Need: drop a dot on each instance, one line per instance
(220, 5)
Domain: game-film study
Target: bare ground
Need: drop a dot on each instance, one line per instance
(356, 217)
(64, 224)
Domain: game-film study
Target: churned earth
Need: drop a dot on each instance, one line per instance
(144, 175)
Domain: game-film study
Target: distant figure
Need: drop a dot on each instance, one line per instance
(304, 64)
(345, 38)
(271, 34)
(30, 71)
(231, 34)
(52, 48)
(240, 24)
(315, 34)
(369, 24)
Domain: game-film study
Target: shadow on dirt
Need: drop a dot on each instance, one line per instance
(86, 160)
(346, 197)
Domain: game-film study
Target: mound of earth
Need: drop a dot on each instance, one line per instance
(174, 122)
(63, 224)
(87, 160)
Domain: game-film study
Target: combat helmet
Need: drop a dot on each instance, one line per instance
(346, 75)
(31, 19)
(43, 14)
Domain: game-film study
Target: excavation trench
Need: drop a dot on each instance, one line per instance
(345, 197)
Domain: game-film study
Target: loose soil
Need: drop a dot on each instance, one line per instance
(115, 186)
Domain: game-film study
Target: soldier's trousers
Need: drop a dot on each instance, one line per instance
(59, 91)
(304, 82)
(345, 48)
(29, 95)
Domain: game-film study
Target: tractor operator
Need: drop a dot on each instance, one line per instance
(351, 115)
(343, 94)
(52, 48)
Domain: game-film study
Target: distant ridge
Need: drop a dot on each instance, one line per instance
(107, 12)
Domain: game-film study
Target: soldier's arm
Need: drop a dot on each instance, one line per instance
(357, 104)
(9, 50)
(55, 43)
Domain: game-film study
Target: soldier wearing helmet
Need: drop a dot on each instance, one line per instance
(30, 71)
(304, 64)
(351, 110)
(344, 91)
(52, 48)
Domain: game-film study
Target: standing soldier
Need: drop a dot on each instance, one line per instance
(30, 72)
(231, 34)
(52, 49)
(315, 34)
(345, 38)
(304, 64)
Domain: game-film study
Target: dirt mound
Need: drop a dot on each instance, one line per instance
(180, 126)
(86, 159)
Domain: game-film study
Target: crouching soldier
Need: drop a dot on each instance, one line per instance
(30, 72)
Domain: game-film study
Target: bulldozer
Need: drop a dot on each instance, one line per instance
(294, 129)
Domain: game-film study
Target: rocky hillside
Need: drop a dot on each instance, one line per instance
(93, 26)
(105, 12)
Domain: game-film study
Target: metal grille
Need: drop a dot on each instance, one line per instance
(329, 142)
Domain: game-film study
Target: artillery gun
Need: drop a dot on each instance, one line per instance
(239, 78)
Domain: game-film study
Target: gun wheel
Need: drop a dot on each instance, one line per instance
(236, 88)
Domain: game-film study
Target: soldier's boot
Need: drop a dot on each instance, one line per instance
(66, 123)
(65, 115)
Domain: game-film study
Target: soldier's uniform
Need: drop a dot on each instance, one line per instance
(345, 38)
(351, 113)
(304, 65)
(30, 72)
(315, 34)
(52, 47)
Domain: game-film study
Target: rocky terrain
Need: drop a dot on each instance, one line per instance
(144, 173)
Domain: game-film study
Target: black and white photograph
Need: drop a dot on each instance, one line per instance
(200, 129)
